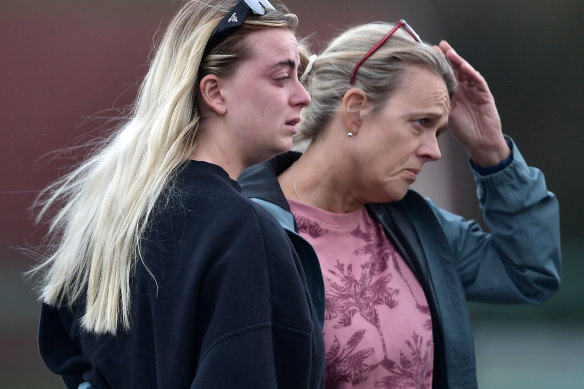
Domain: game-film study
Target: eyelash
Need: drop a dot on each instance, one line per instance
(426, 124)
(283, 80)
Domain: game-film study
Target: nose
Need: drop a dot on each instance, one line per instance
(429, 149)
(300, 98)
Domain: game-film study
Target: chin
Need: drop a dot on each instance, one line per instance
(401, 194)
(284, 146)
(394, 195)
(264, 155)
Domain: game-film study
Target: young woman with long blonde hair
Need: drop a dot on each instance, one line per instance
(159, 273)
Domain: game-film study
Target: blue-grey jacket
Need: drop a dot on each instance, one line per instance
(453, 259)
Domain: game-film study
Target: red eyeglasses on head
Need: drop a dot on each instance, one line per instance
(402, 23)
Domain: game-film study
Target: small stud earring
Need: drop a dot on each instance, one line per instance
(350, 134)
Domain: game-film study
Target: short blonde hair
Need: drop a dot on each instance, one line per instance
(329, 79)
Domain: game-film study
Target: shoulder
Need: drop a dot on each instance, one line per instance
(200, 185)
(204, 223)
(200, 207)
(200, 194)
(268, 225)
(205, 191)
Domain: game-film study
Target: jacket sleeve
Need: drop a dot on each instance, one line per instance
(519, 260)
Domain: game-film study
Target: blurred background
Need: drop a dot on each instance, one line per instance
(68, 67)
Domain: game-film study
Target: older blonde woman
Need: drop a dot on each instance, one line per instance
(161, 274)
(393, 269)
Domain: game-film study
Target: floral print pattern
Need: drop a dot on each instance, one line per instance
(363, 289)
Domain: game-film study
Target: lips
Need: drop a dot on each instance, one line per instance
(414, 173)
(293, 122)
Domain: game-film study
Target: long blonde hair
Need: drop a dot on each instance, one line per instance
(328, 80)
(99, 211)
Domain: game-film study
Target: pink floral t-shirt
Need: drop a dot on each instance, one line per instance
(378, 329)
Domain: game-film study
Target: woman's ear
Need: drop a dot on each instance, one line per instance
(355, 106)
(210, 88)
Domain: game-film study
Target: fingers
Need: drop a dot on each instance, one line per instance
(438, 49)
(469, 75)
(450, 53)
(465, 73)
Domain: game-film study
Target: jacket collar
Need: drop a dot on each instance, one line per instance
(261, 181)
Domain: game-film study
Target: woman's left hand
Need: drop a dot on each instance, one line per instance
(474, 119)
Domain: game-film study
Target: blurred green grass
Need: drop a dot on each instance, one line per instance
(529, 355)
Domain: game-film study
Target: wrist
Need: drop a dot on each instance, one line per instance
(497, 162)
(486, 157)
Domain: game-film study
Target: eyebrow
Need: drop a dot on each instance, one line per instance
(425, 114)
(428, 114)
(442, 130)
(287, 62)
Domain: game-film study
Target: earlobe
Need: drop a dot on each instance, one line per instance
(355, 105)
(210, 88)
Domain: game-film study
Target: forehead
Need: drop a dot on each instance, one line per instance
(271, 46)
(420, 89)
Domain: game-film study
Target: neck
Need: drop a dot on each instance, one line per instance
(319, 181)
(218, 151)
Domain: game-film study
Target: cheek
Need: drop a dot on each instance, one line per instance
(381, 187)
(267, 105)
(384, 172)
(384, 161)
